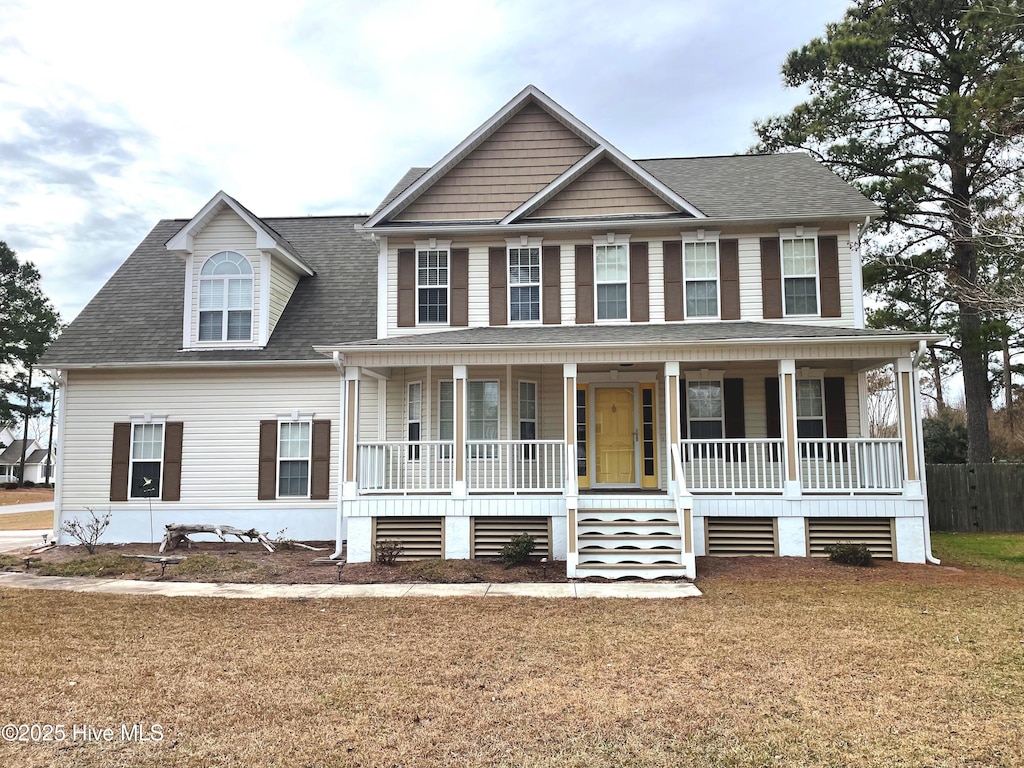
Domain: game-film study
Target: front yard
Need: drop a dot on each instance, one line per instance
(781, 663)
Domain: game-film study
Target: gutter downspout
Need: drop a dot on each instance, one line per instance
(922, 350)
(338, 534)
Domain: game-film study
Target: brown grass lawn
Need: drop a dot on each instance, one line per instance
(799, 664)
(25, 496)
(26, 521)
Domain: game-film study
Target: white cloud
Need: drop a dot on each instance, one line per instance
(116, 114)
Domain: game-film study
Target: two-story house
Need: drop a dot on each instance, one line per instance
(636, 361)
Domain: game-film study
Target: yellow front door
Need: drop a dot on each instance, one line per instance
(614, 426)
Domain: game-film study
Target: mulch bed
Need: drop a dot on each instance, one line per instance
(250, 563)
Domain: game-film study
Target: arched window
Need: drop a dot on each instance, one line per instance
(225, 298)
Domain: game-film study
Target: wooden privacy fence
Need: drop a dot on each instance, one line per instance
(966, 498)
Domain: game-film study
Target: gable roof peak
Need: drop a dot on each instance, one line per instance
(267, 238)
(531, 94)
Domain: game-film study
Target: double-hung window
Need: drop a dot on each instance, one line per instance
(293, 458)
(810, 408)
(800, 275)
(700, 278)
(432, 283)
(147, 455)
(524, 283)
(705, 410)
(611, 281)
(482, 421)
(225, 298)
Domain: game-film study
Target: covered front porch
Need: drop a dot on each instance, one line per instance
(612, 445)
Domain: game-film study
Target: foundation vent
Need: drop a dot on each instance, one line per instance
(741, 536)
(490, 534)
(422, 537)
(877, 533)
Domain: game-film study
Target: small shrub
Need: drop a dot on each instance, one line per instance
(28, 484)
(851, 554)
(387, 551)
(10, 486)
(89, 532)
(518, 550)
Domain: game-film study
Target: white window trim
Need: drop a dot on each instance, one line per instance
(147, 421)
(525, 242)
(703, 236)
(434, 245)
(611, 238)
(810, 375)
(702, 376)
(800, 233)
(440, 402)
(519, 406)
(413, 454)
(297, 419)
(254, 308)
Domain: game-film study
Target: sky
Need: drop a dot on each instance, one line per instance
(114, 115)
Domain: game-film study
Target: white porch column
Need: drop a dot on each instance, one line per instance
(349, 432)
(910, 423)
(569, 372)
(787, 419)
(671, 416)
(460, 375)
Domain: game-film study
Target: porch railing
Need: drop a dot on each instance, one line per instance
(514, 466)
(402, 466)
(733, 466)
(827, 465)
(500, 466)
(833, 465)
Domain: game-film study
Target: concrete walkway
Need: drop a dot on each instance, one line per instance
(22, 541)
(632, 589)
(39, 506)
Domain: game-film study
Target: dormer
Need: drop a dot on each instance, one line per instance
(239, 276)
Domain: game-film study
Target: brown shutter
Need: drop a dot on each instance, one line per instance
(551, 284)
(729, 269)
(120, 455)
(267, 486)
(320, 466)
(458, 311)
(673, 255)
(835, 407)
(772, 406)
(639, 291)
(828, 276)
(497, 261)
(171, 487)
(735, 420)
(584, 283)
(683, 423)
(771, 278)
(406, 288)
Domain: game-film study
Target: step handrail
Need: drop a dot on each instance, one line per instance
(683, 502)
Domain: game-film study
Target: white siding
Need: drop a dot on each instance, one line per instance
(226, 232)
(282, 283)
(749, 268)
(221, 411)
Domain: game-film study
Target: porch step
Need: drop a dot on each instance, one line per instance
(621, 515)
(624, 570)
(615, 542)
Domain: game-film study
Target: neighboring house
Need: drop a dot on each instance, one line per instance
(638, 362)
(36, 459)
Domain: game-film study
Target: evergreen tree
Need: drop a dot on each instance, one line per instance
(920, 103)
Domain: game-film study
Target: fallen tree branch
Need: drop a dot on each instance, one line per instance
(178, 533)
